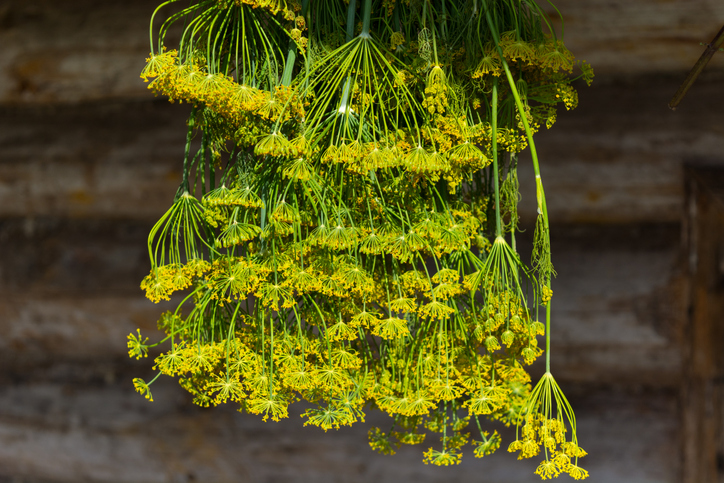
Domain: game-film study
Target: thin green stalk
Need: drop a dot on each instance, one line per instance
(189, 136)
(548, 337)
(494, 127)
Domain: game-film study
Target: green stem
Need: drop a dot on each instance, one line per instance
(494, 126)
(548, 337)
(366, 14)
(528, 132)
(351, 10)
(189, 136)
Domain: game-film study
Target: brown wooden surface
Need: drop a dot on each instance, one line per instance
(88, 161)
(702, 386)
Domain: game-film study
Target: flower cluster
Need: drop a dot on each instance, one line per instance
(340, 236)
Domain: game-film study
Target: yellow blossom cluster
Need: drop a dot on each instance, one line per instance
(345, 229)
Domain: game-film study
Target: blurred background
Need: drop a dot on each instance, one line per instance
(89, 160)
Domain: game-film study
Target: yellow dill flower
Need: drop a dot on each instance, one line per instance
(333, 379)
(271, 406)
(229, 282)
(487, 400)
(170, 363)
(491, 343)
(445, 291)
(457, 441)
(488, 446)
(442, 458)
(159, 64)
(376, 158)
(403, 304)
(554, 55)
(419, 405)
(489, 64)
(269, 107)
(180, 278)
(226, 387)
(298, 170)
(245, 197)
(380, 442)
(417, 159)
(516, 48)
(365, 319)
(528, 449)
(356, 279)
(326, 417)
(408, 437)
(142, 388)
(446, 275)
(346, 359)
(576, 472)
(137, 346)
(562, 460)
(341, 237)
(530, 354)
(371, 244)
(437, 162)
(274, 295)
(302, 279)
(332, 287)
(467, 155)
(573, 450)
(342, 331)
(450, 239)
(237, 233)
(244, 97)
(199, 358)
(436, 310)
(413, 281)
(217, 196)
(446, 391)
(159, 284)
(274, 144)
(284, 212)
(508, 337)
(391, 328)
(547, 469)
(299, 380)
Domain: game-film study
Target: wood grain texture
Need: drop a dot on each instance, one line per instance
(625, 38)
(702, 397)
(102, 432)
(89, 160)
(78, 50)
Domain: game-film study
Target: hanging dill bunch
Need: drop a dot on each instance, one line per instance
(332, 240)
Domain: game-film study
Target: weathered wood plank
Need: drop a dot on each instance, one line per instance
(78, 50)
(109, 160)
(622, 38)
(72, 50)
(618, 157)
(618, 303)
(702, 397)
(106, 433)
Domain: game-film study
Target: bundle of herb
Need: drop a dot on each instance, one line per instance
(345, 234)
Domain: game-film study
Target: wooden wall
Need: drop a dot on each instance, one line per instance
(89, 160)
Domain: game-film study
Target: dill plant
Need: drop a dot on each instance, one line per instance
(345, 234)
